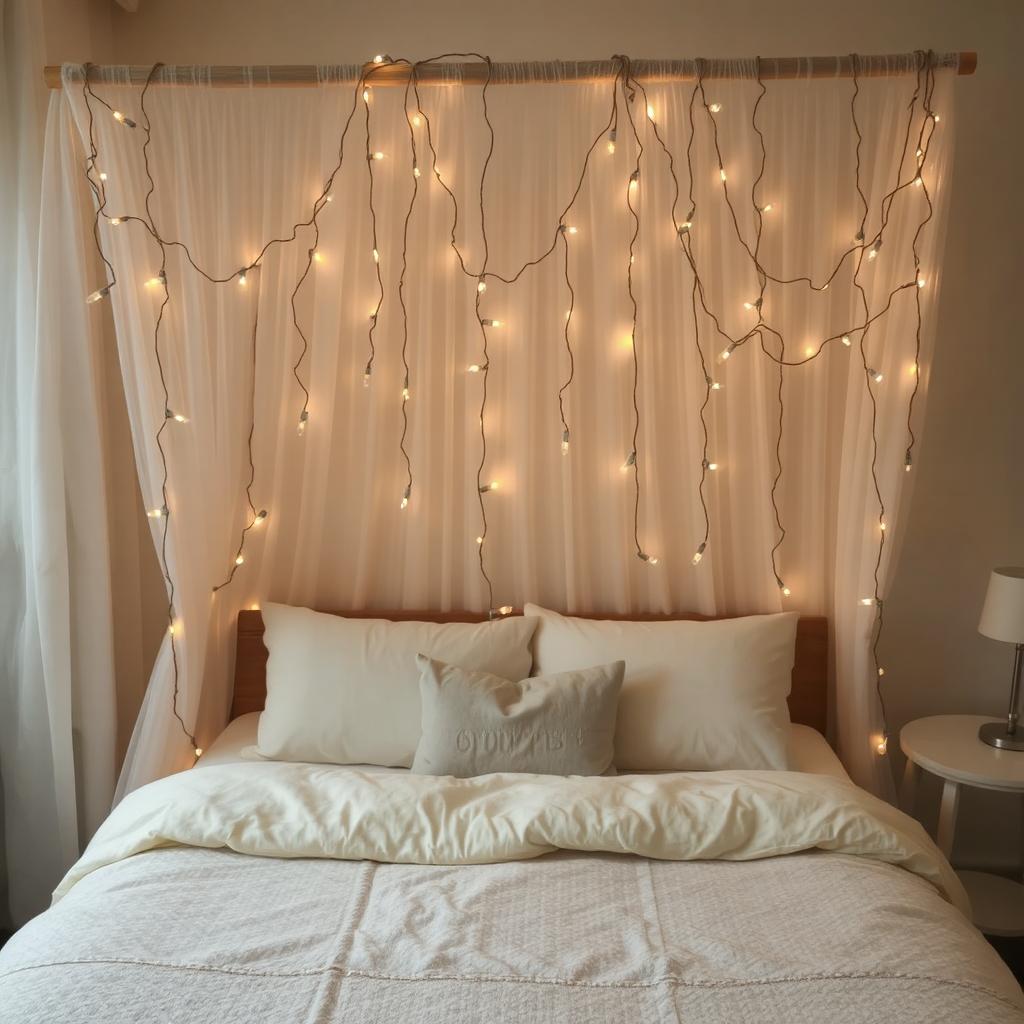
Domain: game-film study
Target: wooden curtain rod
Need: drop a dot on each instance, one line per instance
(226, 75)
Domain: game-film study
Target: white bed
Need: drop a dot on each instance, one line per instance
(213, 936)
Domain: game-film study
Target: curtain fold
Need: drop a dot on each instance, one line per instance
(234, 167)
(57, 698)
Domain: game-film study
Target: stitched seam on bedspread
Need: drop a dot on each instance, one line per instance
(498, 978)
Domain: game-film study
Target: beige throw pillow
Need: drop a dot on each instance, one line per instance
(475, 723)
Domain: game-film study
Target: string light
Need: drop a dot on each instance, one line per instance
(492, 486)
(115, 221)
(784, 590)
(239, 559)
(481, 285)
(474, 368)
(378, 155)
(100, 293)
(103, 175)
(303, 420)
(157, 513)
(699, 553)
(170, 414)
(875, 376)
(405, 497)
(565, 442)
(683, 231)
(630, 461)
(644, 557)
(129, 123)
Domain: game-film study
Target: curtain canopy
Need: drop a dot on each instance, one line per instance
(619, 421)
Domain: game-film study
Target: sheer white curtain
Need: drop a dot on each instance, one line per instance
(235, 167)
(56, 680)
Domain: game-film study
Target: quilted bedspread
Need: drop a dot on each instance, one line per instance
(238, 894)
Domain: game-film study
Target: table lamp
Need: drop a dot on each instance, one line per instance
(1002, 618)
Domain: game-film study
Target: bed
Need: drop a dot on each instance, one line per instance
(252, 891)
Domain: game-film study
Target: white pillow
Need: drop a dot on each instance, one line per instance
(347, 691)
(696, 695)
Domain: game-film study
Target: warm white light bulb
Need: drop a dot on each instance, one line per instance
(712, 466)
(919, 181)
(115, 221)
(122, 119)
(379, 59)
(103, 175)
(178, 418)
(241, 277)
(875, 376)
(921, 282)
(378, 155)
(573, 230)
(100, 293)
(882, 746)
(611, 146)
(303, 418)
(473, 368)
(767, 208)
(505, 609)
(492, 486)
(156, 513)
(416, 121)
(784, 589)
(405, 394)
(479, 540)
(199, 752)
(415, 172)
(644, 557)
(936, 118)
(867, 601)
(481, 285)
(491, 323)
(721, 173)
(716, 385)
(317, 256)
(376, 256)
(565, 442)
(881, 671)
(650, 111)
(239, 559)
(846, 340)
(366, 95)
(404, 504)
(714, 107)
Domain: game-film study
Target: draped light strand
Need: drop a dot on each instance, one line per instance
(413, 167)
(632, 188)
(864, 251)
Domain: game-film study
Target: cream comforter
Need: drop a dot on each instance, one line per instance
(206, 935)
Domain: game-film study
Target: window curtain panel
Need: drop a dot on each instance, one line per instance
(57, 717)
(235, 167)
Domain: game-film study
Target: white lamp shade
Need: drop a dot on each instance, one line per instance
(1002, 617)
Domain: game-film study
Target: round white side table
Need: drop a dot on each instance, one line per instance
(948, 746)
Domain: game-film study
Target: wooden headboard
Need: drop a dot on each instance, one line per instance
(808, 700)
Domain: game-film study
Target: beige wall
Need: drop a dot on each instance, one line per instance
(968, 509)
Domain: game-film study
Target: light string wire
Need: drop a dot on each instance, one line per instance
(256, 518)
(623, 79)
(633, 187)
(163, 512)
(415, 174)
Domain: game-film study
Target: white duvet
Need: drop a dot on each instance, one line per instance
(323, 895)
(301, 810)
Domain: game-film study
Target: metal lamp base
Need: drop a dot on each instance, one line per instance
(995, 735)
